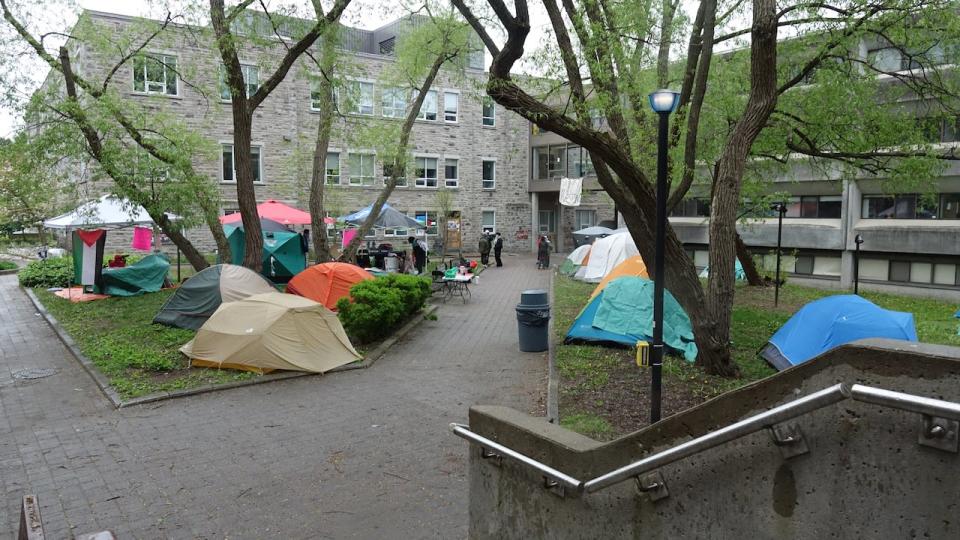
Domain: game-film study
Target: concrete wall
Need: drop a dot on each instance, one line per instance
(865, 475)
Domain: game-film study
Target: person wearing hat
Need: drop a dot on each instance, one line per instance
(498, 248)
(484, 248)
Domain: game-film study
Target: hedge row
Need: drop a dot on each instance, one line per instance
(378, 306)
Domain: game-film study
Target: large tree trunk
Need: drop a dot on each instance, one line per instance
(746, 260)
(321, 242)
(726, 197)
(246, 193)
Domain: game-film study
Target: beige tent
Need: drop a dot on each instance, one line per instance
(272, 331)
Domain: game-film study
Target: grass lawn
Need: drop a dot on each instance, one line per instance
(7, 265)
(137, 357)
(603, 394)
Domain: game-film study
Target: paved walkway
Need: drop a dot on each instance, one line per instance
(359, 454)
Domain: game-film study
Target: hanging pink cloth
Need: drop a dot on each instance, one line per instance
(142, 239)
(348, 236)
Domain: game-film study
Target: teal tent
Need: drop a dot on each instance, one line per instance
(622, 314)
(146, 275)
(283, 255)
(738, 272)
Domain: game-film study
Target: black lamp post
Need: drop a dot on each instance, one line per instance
(781, 209)
(856, 264)
(663, 102)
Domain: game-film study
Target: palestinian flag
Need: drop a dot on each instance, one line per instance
(88, 256)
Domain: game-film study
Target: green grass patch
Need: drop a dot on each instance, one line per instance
(7, 265)
(591, 425)
(136, 356)
(586, 370)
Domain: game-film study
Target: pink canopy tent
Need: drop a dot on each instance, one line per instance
(275, 210)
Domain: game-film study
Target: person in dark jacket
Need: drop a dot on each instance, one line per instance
(419, 254)
(484, 249)
(543, 252)
(498, 248)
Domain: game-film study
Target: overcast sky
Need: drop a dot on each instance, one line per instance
(367, 14)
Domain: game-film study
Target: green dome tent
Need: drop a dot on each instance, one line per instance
(146, 275)
(201, 295)
(283, 255)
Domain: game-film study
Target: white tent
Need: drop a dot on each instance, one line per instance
(107, 212)
(579, 254)
(606, 254)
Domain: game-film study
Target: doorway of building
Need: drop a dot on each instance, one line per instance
(547, 225)
(453, 232)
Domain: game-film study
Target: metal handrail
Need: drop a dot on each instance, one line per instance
(766, 419)
(566, 481)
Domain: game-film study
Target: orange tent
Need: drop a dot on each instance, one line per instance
(632, 266)
(328, 282)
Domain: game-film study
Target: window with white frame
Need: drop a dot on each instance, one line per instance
(315, 95)
(251, 81)
(229, 169)
(451, 106)
(332, 169)
(488, 221)
(547, 222)
(388, 172)
(429, 219)
(489, 174)
(489, 111)
(585, 218)
(361, 169)
(428, 110)
(155, 74)
(360, 97)
(393, 102)
(426, 172)
(451, 173)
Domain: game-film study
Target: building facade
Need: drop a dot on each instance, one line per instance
(462, 144)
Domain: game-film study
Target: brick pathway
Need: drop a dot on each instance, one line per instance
(360, 454)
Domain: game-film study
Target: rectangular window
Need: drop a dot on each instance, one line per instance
(899, 271)
(945, 274)
(451, 173)
(387, 46)
(251, 81)
(541, 157)
(429, 219)
(826, 266)
(557, 163)
(489, 174)
(950, 205)
(360, 97)
(393, 103)
(333, 169)
(229, 164)
(804, 265)
(885, 59)
(489, 112)
(488, 220)
(793, 207)
(921, 272)
(829, 206)
(585, 218)
(808, 207)
(428, 110)
(426, 172)
(877, 269)
(388, 172)
(548, 222)
(315, 95)
(361, 169)
(574, 162)
(155, 74)
(877, 208)
(451, 106)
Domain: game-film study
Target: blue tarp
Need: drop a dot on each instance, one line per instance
(623, 314)
(830, 322)
(388, 218)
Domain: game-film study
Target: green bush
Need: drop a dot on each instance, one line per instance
(7, 265)
(55, 272)
(376, 307)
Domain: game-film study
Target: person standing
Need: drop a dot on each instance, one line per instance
(484, 249)
(498, 248)
(419, 254)
(543, 252)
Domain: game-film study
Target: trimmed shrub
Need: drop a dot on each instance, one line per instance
(376, 307)
(54, 272)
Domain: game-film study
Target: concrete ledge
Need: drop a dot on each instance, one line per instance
(119, 403)
(9, 272)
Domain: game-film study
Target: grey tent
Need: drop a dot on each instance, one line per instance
(200, 296)
(388, 218)
(589, 234)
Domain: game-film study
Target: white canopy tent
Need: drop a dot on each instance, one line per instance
(605, 254)
(107, 212)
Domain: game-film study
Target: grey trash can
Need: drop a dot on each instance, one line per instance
(533, 314)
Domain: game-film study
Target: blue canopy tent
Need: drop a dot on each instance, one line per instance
(622, 314)
(830, 322)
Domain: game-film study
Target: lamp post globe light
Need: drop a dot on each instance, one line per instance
(663, 102)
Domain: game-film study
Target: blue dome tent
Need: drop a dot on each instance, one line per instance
(830, 322)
